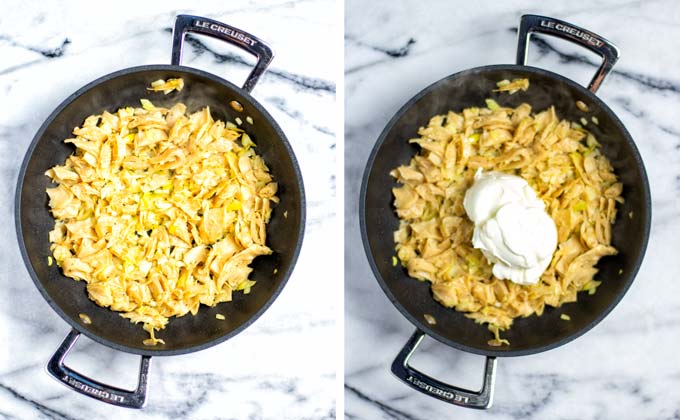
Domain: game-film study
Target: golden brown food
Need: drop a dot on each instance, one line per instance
(168, 86)
(562, 163)
(160, 211)
(582, 106)
(512, 87)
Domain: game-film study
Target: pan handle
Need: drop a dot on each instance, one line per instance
(428, 385)
(226, 33)
(560, 29)
(97, 390)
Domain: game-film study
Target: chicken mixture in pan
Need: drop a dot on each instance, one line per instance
(572, 181)
(160, 211)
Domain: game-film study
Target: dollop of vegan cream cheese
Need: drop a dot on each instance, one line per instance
(512, 229)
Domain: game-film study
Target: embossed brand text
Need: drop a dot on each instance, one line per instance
(93, 391)
(573, 31)
(227, 31)
(436, 391)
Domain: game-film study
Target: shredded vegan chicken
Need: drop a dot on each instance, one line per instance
(167, 86)
(512, 87)
(562, 163)
(160, 211)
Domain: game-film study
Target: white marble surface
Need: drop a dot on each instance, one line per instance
(50, 49)
(626, 367)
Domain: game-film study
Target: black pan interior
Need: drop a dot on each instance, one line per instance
(125, 88)
(470, 88)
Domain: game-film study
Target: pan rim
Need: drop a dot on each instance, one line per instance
(424, 327)
(24, 253)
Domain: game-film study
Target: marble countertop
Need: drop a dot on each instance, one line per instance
(49, 50)
(626, 367)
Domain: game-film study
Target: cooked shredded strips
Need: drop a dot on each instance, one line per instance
(160, 211)
(220, 317)
(497, 341)
(167, 87)
(560, 160)
(512, 87)
(565, 317)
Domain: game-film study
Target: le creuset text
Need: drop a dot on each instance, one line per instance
(573, 31)
(227, 31)
(99, 393)
(436, 391)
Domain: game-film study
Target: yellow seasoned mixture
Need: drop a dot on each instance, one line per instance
(559, 159)
(160, 211)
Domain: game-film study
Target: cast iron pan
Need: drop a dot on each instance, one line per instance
(414, 299)
(69, 298)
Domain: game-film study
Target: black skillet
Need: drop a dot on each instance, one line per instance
(69, 298)
(413, 298)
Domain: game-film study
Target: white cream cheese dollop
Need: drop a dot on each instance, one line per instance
(512, 229)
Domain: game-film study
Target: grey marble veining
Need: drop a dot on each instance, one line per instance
(626, 366)
(282, 366)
